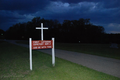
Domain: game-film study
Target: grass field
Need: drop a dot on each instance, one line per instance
(14, 65)
(94, 49)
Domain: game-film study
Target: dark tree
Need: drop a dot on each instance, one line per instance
(69, 31)
(2, 33)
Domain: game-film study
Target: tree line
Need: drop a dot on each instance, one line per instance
(69, 31)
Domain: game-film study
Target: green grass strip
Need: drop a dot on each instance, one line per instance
(14, 65)
(93, 49)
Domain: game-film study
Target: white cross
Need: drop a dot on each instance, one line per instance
(41, 30)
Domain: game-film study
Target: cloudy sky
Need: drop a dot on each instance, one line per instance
(104, 13)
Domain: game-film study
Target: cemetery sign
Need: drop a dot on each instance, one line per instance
(41, 44)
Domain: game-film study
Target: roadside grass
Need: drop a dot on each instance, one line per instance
(93, 49)
(14, 65)
(23, 42)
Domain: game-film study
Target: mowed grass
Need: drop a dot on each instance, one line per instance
(94, 49)
(14, 65)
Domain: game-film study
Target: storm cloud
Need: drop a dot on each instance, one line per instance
(100, 12)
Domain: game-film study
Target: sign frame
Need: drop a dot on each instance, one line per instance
(53, 51)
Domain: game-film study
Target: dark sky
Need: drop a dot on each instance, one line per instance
(104, 13)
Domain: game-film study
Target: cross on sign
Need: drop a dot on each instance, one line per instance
(41, 30)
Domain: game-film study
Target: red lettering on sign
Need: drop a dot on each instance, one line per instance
(42, 44)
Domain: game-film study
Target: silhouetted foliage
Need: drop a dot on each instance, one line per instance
(69, 31)
(2, 33)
